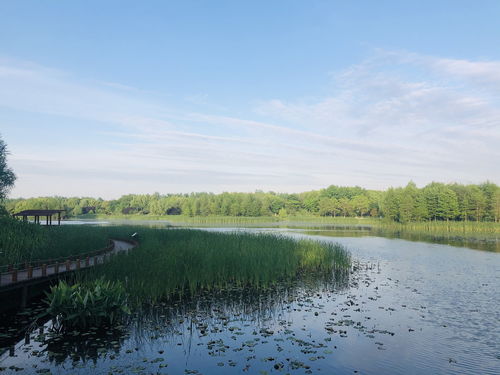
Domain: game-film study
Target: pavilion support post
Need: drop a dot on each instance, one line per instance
(47, 223)
(50, 220)
(58, 218)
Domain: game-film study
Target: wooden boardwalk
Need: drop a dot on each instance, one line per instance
(29, 275)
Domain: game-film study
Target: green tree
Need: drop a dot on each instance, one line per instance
(360, 205)
(442, 202)
(328, 207)
(276, 204)
(411, 204)
(421, 212)
(391, 201)
(292, 203)
(345, 207)
(311, 201)
(490, 190)
(7, 176)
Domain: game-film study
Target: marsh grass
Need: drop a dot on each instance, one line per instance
(175, 263)
(26, 242)
(463, 228)
(233, 220)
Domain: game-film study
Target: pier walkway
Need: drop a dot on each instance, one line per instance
(21, 276)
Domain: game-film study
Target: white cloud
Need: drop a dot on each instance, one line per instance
(392, 118)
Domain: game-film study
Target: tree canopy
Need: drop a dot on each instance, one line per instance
(436, 201)
(7, 176)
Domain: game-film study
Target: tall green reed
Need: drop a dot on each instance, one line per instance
(24, 242)
(179, 262)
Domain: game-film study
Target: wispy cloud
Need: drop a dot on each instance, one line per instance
(394, 117)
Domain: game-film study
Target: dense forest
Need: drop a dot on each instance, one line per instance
(436, 201)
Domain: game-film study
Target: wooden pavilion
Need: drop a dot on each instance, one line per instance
(37, 213)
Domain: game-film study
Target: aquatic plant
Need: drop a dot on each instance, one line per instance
(459, 228)
(84, 305)
(178, 262)
(22, 242)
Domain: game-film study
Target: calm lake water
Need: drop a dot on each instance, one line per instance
(407, 308)
(488, 242)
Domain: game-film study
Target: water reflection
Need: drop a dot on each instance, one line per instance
(209, 312)
(82, 347)
(406, 307)
(386, 316)
(485, 242)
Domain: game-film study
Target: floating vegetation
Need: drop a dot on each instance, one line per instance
(88, 305)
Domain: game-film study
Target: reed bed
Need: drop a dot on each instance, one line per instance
(234, 220)
(460, 228)
(178, 262)
(27, 242)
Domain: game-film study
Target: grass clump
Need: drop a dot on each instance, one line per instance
(85, 305)
(22, 242)
(177, 262)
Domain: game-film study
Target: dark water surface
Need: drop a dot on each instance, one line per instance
(407, 308)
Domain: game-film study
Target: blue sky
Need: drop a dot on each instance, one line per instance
(103, 98)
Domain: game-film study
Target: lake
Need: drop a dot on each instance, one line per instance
(407, 307)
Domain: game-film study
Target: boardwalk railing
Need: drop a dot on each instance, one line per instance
(28, 271)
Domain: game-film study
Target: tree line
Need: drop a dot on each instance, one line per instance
(436, 201)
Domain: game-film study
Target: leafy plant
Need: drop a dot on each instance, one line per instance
(84, 305)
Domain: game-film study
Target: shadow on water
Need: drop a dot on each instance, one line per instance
(25, 335)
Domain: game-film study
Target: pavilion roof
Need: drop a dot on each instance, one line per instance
(37, 212)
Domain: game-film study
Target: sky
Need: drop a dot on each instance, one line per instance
(105, 98)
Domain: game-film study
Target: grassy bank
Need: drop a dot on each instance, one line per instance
(23, 242)
(181, 261)
(445, 228)
(234, 220)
